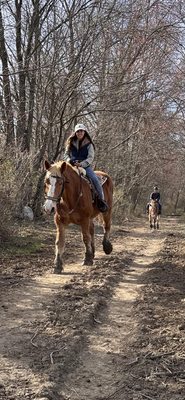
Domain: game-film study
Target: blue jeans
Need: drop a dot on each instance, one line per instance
(93, 177)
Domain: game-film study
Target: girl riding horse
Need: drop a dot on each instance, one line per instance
(70, 195)
(79, 152)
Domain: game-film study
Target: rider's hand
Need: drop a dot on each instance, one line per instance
(77, 164)
(72, 162)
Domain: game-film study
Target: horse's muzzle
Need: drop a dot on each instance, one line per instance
(48, 211)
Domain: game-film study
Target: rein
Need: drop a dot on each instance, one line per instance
(80, 195)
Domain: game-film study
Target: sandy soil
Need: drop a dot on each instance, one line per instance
(114, 331)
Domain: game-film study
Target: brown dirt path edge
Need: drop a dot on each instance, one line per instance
(113, 331)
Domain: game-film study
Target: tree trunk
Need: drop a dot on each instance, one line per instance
(9, 127)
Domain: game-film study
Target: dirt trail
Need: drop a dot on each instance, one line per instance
(112, 331)
(98, 374)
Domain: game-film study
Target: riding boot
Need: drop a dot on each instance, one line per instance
(102, 205)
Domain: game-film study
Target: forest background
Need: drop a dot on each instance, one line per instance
(115, 65)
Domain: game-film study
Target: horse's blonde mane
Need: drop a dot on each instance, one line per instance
(55, 169)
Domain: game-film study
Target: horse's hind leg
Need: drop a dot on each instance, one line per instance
(107, 246)
(150, 222)
(157, 223)
(59, 248)
(87, 233)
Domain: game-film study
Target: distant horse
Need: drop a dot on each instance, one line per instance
(154, 214)
(70, 195)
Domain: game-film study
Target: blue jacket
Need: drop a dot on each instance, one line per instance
(79, 154)
(84, 153)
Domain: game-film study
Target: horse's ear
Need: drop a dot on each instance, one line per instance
(47, 164)
(63, 167)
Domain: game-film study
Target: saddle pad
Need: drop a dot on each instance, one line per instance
(102, 179)
(80, 171)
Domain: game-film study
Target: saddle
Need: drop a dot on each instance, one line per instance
(100, 204)
(81, 171)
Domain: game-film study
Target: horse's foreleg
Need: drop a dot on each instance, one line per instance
(92, 237)
(87, 231)
(107, 246)
(59, 248)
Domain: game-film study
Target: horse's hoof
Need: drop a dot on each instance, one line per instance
(58, 271)
(107, 247)
(87, 262)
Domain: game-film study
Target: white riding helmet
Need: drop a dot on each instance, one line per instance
(79, 127)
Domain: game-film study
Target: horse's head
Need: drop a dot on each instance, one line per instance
(53, 184)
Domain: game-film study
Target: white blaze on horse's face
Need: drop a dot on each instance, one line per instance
(49, 203)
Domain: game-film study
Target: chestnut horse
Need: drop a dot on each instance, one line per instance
(71, 196)
(153, 214)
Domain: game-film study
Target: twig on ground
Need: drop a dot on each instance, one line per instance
(166, 369)
(96, 320)
(147, 397)
(37, 333)
(154, 356)
(55, 351)
(133, 362)
(112, 394)
(71, 388)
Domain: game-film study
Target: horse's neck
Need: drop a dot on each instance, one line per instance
(73, 183)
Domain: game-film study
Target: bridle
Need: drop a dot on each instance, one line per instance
(64, 181)
(57, 199)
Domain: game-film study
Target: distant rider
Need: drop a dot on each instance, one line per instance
(155, 195)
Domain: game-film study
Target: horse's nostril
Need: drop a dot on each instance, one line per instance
(52, 210)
